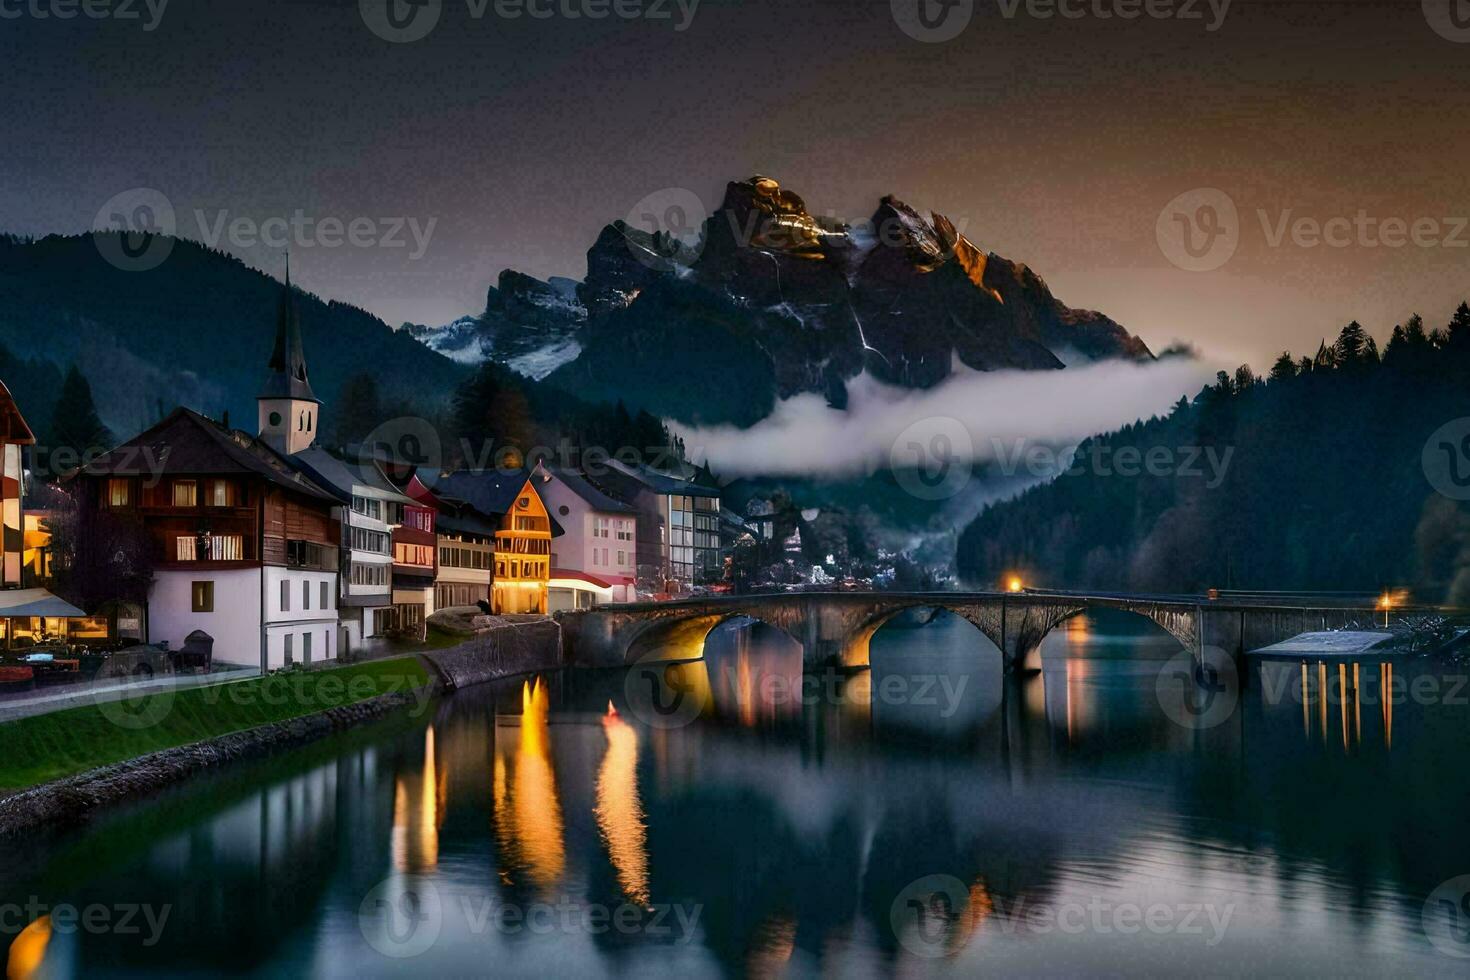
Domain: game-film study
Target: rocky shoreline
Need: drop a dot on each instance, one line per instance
(504, 651)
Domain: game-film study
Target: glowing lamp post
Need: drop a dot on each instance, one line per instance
(1014, 584)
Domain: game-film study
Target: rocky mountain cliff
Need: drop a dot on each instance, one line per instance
(771, 301)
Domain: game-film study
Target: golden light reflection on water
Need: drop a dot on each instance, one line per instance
(417, 808)
(857, 700)
(771, 947)
(28, 951)
(1316, 689)
(619, 810)
(528, 813)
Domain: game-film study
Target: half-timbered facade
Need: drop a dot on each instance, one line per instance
(242, 545)
(523, 532)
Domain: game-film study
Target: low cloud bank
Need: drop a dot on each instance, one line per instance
(973, 417)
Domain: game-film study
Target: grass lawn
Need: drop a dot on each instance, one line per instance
(46, 747)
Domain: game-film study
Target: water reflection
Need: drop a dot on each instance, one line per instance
(417, 803)
(619, 810)
(28, 951)
(528, 815)
(794, 834)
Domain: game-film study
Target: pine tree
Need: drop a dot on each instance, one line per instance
(1351, 344)
(75, 423)
(1459, 329)
(1285, 367)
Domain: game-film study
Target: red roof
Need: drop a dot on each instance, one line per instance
(601, 583)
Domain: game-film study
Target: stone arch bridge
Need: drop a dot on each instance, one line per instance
(834, 629)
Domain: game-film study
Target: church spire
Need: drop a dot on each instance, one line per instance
(287, 367)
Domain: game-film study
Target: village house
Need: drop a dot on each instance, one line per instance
(596, 560)
(243, 546)
(28, 616)
(466, 542)
(523, 534)
(369, 509)
(678, 534)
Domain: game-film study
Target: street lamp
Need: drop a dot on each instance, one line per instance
(1014, 584)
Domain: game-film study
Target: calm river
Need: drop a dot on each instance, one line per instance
(923, 818)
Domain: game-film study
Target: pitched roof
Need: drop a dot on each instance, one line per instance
(327, 471)
(595, 497)
(287, 378)
(13, 428)
(663, 482)
(491, 492)
(187, 443)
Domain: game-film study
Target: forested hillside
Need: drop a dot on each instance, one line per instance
(1325, 486)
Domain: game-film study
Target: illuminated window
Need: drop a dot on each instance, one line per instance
(117, 493)
(203, 593)
(186, 493)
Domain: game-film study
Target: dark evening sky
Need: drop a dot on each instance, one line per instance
(1057, 141)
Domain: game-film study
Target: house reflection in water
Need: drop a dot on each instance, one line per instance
(418, 808)
(529, 826)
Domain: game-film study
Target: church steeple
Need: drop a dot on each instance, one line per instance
(288, 408)
(287, 377)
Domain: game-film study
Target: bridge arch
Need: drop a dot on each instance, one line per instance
(677, 638)
(1169, 627)
(870, 630)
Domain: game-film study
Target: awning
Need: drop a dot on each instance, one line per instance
(36, 602)
(567, 578)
